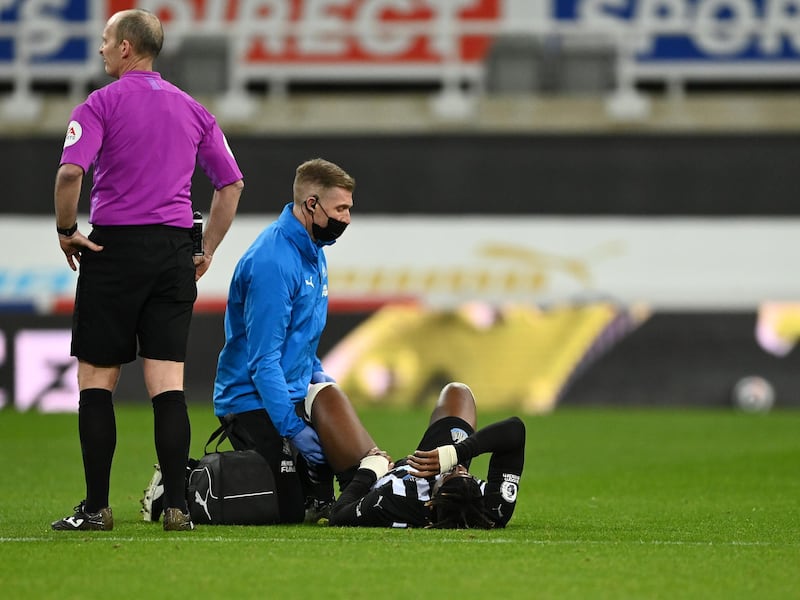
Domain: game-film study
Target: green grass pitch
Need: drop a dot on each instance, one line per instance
(614, 503)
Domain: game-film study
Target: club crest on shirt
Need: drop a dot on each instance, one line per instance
(458, 435)
(74, 132)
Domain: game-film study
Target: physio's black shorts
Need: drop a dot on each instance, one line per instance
(140, 287)
(448, 430)
(254, 429)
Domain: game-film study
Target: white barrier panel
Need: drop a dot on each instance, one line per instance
(667, 263)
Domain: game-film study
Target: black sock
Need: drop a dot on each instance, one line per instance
(172, 438)
(316, 480)
(97, 429)
(345, 477)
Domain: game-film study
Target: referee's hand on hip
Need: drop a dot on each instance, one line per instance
(73, 245)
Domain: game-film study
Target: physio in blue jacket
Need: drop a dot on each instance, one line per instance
(276, 312)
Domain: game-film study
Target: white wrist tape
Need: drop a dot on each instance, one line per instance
(448, 458)
(376, 463)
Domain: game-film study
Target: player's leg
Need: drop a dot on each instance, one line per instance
(455, 400)
(453, 418)
(344, 438)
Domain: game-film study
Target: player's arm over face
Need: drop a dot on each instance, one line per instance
(505, 441)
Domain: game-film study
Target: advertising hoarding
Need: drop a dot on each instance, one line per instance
(334, 40)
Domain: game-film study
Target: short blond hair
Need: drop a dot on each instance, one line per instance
(319, 174)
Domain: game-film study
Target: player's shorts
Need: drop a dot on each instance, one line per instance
(448, 430)
(140, 289)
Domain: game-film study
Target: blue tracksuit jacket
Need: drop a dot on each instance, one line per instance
(277, 308)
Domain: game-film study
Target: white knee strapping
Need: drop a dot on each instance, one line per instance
(313, 390)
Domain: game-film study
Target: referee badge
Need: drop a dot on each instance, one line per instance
(74, 132)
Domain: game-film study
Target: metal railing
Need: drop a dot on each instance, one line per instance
(461, 78)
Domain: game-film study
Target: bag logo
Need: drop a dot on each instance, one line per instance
(202, 502)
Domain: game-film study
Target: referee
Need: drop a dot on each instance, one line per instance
(137, 284)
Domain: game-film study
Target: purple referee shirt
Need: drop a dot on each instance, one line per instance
(143, 136)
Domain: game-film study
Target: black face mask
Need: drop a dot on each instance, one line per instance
(331, 231)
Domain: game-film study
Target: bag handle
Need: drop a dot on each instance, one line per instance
(224, 431)
(220, 434)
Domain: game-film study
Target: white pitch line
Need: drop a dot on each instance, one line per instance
(82, 538)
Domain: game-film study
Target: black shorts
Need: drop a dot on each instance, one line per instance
(139, 289)
(447, 430)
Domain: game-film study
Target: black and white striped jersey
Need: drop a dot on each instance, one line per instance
(398, 499)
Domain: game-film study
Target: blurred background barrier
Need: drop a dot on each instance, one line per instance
(463, 48)
(463, 172)
(668, 263)
(558, 163)
(514, 357)
(682, 359)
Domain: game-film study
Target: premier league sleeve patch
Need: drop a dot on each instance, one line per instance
(74, 132)
(508, 491)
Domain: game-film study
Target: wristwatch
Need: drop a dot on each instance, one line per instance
(67, 232)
